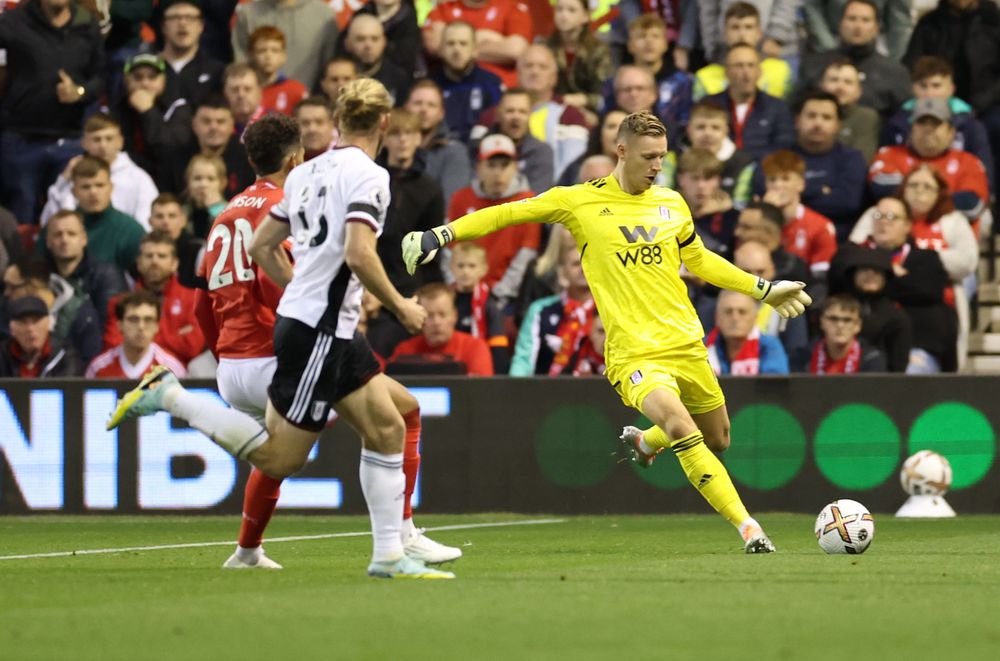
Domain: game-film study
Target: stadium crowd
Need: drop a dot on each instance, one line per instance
(840, 143)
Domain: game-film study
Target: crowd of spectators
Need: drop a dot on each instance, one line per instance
(846, 143)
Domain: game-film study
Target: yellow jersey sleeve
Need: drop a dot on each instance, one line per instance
(551, 206)
(712, 268)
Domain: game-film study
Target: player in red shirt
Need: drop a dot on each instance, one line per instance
(503, 32)
(510, 250)
(138, 317)
(439, 337)
(238, 313)
(806, 233)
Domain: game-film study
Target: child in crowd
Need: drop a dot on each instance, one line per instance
(479, 314)
(206, 187)
(268, 53)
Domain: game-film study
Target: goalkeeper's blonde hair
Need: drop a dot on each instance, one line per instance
(361, 104)
(641, 123)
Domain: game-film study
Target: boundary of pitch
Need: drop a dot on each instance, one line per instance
(270, 540)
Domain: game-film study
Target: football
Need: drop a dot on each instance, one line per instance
(926, 473)
(845, 526)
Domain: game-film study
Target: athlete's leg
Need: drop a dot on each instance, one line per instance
(715, 426)
(415, 543)
(702, 468)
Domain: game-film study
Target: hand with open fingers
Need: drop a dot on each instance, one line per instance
(788, 298)
(420, 248)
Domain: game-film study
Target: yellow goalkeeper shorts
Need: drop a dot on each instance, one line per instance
(684, 371)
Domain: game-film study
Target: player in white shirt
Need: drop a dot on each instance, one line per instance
(333, 210)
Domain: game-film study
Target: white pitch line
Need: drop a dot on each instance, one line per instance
(270, 540)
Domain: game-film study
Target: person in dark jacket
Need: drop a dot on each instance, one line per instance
(835, 175)
(365, 41)
(865, 274)
(417, 203)
(66, 239)
(886, 81)
(760, 123)
(404, 44)
(535, 159)
(168, 216)
(213, 126)
(149, 124)
(468, 88)
(197, 75)
(54, 69)
(31, 351)
(446, 159)
(919, 288)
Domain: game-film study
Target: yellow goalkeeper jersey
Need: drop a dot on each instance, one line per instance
(632, 247)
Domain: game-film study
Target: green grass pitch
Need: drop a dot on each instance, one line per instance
(608, 587)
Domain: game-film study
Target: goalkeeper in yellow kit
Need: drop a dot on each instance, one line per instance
(633, 237)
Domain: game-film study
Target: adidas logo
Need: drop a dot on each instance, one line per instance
(705, 479)
(605, 212)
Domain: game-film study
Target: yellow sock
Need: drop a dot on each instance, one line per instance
(655, 438)
(709, 477)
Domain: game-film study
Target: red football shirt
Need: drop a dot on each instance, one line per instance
(506, 17)
(501, 247)
(242, 298)
(462, 347)
(179, 333)
(812, 237)
(112, 364)
(283, 95)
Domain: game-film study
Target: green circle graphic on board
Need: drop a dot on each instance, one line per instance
(857, 446)
(768, 447)
(575, 446)
(962, 434)
(665, 473)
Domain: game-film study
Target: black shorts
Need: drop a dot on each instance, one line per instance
(316, 370)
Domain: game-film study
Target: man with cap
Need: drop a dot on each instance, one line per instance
(930, 141)
(31, 351)
(497, 181)
(149, 121)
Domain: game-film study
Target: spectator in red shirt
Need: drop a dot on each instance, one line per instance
(439, 341)
(840, 350)
(179, 332)
(497, 181)
(806, 233)
(137, 316)
(931, 137)
(503, 31)
(268, 54)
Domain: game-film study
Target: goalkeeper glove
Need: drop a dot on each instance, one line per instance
(421, 247)
(785, 296)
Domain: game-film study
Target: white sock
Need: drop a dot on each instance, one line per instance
(233, 431)
(748, 523)
(645, 448)
(383, 483)
(408, 529)
(249, 555)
